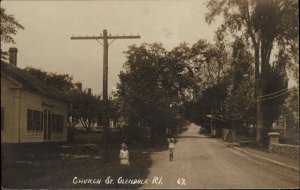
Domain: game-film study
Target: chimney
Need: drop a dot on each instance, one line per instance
(89, 91)
(13, 56)
(79, 86)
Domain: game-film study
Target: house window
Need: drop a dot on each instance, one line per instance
(61, 123)
(54, 125)
(2, 118)
(34, 120)
(30, 118)
(50, 121)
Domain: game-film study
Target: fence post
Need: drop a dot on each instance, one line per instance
(274, 137)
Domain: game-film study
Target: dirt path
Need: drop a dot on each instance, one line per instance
(202, 162)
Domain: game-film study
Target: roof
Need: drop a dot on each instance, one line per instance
(31, 83)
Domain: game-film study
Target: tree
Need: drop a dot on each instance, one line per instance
(139, 89)
(9, 27)
(209, 64)
(86, 108)
(239, 101)
(153, 86)
(62, 82)
(268, 24)
(210, 102)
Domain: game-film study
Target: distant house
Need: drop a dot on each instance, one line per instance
(280, 123)
(31, 111)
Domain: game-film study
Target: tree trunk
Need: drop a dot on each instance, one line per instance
(259, 114)
(258, 93)
(267, 129)
(259, 123)
(265, 58)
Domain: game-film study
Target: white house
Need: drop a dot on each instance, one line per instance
(31, 111)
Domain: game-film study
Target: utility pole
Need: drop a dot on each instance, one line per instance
(105, 45)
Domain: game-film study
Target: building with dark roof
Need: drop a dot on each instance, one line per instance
(31, 110)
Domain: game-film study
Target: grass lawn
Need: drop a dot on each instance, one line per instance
(55, 165)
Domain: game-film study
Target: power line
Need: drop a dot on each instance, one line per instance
(273, 93)
(263, 99)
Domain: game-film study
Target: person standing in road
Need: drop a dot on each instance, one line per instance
(171, 148)
(124, 155)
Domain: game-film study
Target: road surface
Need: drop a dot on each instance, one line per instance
(203, 162)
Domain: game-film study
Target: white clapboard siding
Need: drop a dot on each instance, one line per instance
(10, 132)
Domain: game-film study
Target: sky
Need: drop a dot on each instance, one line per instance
(45, 43)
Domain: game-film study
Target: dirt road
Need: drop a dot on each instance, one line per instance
(203, 162)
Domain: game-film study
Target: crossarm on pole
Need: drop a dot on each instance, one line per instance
(101, 37)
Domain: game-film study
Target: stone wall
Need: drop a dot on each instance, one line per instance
(285, 149)
(282, 149)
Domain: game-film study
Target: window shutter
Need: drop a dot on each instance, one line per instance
(2, 118)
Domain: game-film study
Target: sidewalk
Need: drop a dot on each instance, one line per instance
(262, 153)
